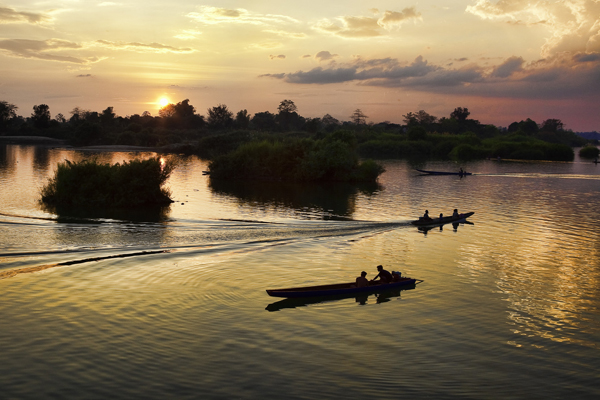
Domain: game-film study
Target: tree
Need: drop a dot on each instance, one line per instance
(264, 121)
(41, 116)
(552, 125)
(107, 115)
(7, 112)
(181, 110)
(242, 119)
(528, 127)
(167, 111)
(460, 114)
(329, 120)
(220, 117)
(419, 118)
(358, 117)
(287, 106)
(60, 118)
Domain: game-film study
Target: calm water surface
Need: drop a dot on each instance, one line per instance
(172, 303)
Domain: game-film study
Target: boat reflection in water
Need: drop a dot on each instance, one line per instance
(380, 297)
(425, 229)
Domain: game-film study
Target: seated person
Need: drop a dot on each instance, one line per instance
(455, 213)
(425, 216)
(383, 275)
(361, 281)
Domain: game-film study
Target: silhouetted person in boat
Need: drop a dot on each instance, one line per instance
(383, 275)
(461, 172)
(441, 216)
(426, 216)
(455, 214)
(361, 281)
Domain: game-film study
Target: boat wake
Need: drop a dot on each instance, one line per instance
(69, 244)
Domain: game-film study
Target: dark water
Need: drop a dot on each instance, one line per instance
(172, 303)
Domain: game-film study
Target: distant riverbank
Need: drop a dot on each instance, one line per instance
(42, 140)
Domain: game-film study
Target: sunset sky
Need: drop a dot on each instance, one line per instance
(504, 60)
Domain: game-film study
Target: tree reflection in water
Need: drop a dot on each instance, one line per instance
(328, 199)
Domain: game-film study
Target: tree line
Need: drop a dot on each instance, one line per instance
(180, 122)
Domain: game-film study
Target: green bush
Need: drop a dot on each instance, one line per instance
(332, 158)
(89, 183)
(589, 152)
(466, 152)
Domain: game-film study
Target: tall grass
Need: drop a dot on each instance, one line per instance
(89, 183)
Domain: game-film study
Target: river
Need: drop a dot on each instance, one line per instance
(172, 303)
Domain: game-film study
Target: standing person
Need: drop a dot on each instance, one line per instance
(383, 275)
(361, 281)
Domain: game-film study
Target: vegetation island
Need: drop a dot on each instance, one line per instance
(286, 146)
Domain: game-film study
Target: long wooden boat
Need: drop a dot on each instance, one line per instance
(340, 289)
(361, 298)
(444, 173)
(441, 221)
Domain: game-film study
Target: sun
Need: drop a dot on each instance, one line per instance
(163, 101)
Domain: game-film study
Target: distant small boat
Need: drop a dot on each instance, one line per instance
(340, 289)
(441, 221)
(444, 173)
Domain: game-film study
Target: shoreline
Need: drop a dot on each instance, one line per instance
(48, 141)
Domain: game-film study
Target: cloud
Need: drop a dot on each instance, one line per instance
(367, 27)
(188, 35)
(583, 57)
(556, 77)
(325, 55)
(279, 57)
(84, 76)
(10, 15)
(291, 35)
(39, 49)
(144, 47)
(392, 19)
(508, 67)
(371, 72)
(574, 25)
(351, 27)
(215, 15)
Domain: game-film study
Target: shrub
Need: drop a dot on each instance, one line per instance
(589, 152)
(466, 152)
(329, 159)
(91, 184)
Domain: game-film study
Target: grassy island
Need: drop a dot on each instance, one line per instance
(589, 151)
(91, 184)
(331, 159)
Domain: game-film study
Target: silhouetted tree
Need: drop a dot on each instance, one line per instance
(60, 118)
(107, 116)
(264, 121)
(184, 109)
(312, 125)
(419, 118)
(7, 112)
(287, 106)
(41, 116)
(220, 117)
(528, 126)
(242, 119)
(181, 110)
(552, 125)
(460, 114)
(167, 111)
(288, 118)
(329, 120)
(358, 117)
